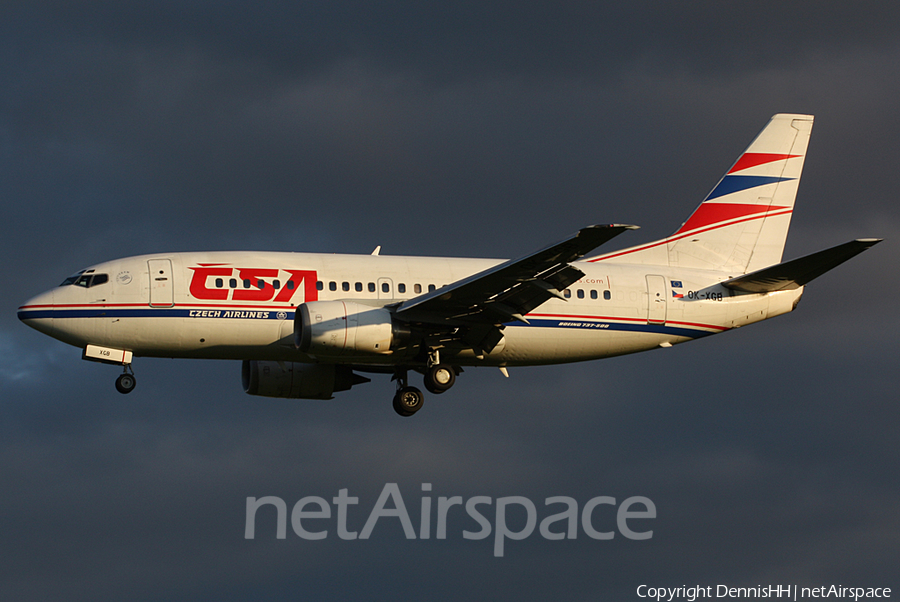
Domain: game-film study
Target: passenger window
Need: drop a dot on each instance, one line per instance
(580, 294)
(219, 283)
(567, 294)
(359, 287)
(246, 283)
(276, 284)
(593, 294)
(260, 284)
(401, 288)
(320, 286)
(431, 288)
(332, 286)
(371, 287)
(345, 286)
(385, 287)
(232, 283)
(417, 288)
(290, 284)
(607, 295)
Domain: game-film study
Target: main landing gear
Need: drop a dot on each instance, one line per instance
(126, 382)
(408, 400)
(438, 378)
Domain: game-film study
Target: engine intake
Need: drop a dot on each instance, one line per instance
(343, 328)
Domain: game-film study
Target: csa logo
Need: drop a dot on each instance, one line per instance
(212, 282)
(123, 277)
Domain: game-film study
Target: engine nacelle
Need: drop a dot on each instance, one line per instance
(343, 328)
(295, 380)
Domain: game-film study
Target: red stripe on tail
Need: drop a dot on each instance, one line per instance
(749, 160)
(713, 213)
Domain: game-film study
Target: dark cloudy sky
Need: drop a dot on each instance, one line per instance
(465, 129)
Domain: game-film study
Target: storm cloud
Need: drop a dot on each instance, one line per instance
(467, 129)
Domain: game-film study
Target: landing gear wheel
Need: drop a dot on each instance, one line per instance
(125, 383)
(408, 401)
(439, 378)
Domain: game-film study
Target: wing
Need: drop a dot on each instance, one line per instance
(506, 292)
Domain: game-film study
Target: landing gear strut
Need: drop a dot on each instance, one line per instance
(408, 400)
(126, 381)
(438, 377)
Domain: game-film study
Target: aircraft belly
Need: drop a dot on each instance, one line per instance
(204, 337)
(551, 345)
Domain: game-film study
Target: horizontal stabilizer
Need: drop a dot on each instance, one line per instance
(798, 272)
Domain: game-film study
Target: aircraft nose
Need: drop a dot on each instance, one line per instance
(37, 308)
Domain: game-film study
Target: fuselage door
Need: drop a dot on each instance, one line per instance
(656, 300)
(162, 293)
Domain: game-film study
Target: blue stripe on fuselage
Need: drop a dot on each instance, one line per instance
(616, 326)
(274, 314)
(157, 312)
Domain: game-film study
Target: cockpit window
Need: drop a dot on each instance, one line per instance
(86, 279)
(71, 279)
(89, 280)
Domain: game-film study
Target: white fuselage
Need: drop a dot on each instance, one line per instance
(240, 305)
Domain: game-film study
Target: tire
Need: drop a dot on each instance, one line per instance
(125, 383)
(439, 378)
(408, 401)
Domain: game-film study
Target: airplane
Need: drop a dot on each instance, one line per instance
(308, 325)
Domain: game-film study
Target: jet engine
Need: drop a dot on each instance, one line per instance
(329, 329)
(295, 380)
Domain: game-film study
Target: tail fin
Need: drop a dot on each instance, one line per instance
(743, 223)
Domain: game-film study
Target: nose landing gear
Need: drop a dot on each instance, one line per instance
(119, 357)
(126, 382)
